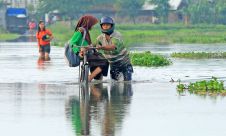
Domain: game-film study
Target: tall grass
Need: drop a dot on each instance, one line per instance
(150, 33)
(200, 55)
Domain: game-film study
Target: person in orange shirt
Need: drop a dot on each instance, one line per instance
(44, 36)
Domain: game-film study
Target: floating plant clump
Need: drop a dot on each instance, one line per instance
(148, 59)
(211, 87)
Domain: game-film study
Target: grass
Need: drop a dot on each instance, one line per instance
(134, 34)
(200, 55)
(7, 36)
(151, 33)
(61, 32)
(149, 60)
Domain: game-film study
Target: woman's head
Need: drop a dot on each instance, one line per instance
(41, 25)
(87, 22)
(107, 25)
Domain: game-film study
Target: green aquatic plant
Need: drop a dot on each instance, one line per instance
(180, 88)
(148, 59)
(211, 87)
(200, 55)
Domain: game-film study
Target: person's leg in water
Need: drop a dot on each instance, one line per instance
(47, 56)
(41, 53)
(123, 73)
(127, 72)
(47, 51)
(94, 73)
(97, 72)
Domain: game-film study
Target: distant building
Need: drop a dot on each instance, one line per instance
(174, 16)
(21, 3)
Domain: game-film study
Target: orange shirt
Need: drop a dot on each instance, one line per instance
(39, 36)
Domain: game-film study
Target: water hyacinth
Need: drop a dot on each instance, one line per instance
(203, 87)
(148, 59)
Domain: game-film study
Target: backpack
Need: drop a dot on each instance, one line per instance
(72, 58)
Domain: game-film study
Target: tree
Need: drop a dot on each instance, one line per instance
(31, 8)
(1, 3)
(202, 11)
(162, 9)
(220, 11)
(185, 11)
(129, 7)
(71, 8)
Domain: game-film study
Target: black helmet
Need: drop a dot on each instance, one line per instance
(107, 20)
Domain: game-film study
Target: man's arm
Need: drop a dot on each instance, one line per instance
(107, 47)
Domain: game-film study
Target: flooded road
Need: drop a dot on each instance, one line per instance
(44, 98)
(184, 69)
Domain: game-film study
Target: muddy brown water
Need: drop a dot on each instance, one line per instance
(45, 98)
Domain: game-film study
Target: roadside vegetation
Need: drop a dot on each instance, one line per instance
(62, 32)
(4, 35)
(200, 55)
(204, 87)
(134, 34)
(173, 33)
(148, 59)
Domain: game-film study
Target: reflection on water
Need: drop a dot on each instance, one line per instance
(42, 63)
(100, 109)
(31, 38)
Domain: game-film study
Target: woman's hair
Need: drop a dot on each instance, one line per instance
(39, 29)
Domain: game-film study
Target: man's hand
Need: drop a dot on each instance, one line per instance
(99, 47)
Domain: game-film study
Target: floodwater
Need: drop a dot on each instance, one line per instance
(44, 98)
